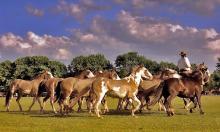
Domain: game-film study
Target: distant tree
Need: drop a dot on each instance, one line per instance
(30, 66)
(126, 61)
(92, 62)
(168, 65)
(218, 64)
(193, 66)
(57, 68)
(6, 72)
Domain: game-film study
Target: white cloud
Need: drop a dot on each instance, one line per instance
(34, 11)
(63, 54)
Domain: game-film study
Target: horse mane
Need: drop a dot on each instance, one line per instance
(38, 76)
(196, 75)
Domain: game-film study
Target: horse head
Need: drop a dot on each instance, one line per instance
(202, 73)
(88, 74)
(114, 75)
(143, 72)
(44, 75)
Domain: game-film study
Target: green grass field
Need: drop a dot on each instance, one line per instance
(114, 121)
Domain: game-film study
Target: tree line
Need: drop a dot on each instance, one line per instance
(28, 67)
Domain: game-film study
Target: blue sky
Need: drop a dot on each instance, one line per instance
(157, 29)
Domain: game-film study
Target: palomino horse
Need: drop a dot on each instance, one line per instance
(122, 88)
(112, 74)
(150, 88)
(26, 87)
(76, 88)
(50, 86)
(186, 87)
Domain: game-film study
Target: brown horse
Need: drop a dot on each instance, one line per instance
(75, 88)
(50, 86)
(186, 87)
(122, 88)
(26, 87)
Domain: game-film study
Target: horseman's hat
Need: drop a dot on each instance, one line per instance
(183, 53)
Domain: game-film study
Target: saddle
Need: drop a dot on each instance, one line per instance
(185, 73)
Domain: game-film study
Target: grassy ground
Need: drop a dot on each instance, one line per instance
(114, 121)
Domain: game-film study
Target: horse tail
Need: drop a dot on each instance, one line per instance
(41, 88)
(9, 94)
(58, 91)
(157, 95)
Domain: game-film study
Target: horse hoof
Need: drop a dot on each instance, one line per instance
(100, 117)
(191, 111)
(202, 113)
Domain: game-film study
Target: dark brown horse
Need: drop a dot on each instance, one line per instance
(186, 87)
(26, 87)
(50, 86)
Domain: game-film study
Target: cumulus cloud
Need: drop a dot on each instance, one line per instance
(32, 44)
(63, 54)
(34, 11)
(156, 39)
(202, 7)
(81, 9)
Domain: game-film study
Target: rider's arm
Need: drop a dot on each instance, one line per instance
(188, 65)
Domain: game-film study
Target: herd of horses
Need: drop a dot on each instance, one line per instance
(138, 90)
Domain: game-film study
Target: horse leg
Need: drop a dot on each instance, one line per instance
(44, 102)
(195, 104)
(52, 104)
(100, 97)
(135, 99)
(169, 99)
(198, 97)
(39, 101)
(127, 104)
(187, 104)
(80, 104)
(18, 101)
(142, 104)
(119, 106)
(105, 104)
(66, 106)
(9, 96)
(33, 102)
(161, 105)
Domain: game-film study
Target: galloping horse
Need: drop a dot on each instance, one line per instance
(122, 88)
(150, 88)
(76, 88)
(50, 86)
(26, 87)
(112, 74)
(186, 87)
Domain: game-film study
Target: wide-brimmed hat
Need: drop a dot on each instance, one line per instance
(183, 53)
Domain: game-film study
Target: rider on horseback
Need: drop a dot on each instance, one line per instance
(184, 65)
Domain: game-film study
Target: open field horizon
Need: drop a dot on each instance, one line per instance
(113, 121)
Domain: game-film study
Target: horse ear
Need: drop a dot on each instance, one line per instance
(141, 65)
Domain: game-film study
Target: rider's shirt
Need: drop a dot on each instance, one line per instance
(184, 64)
